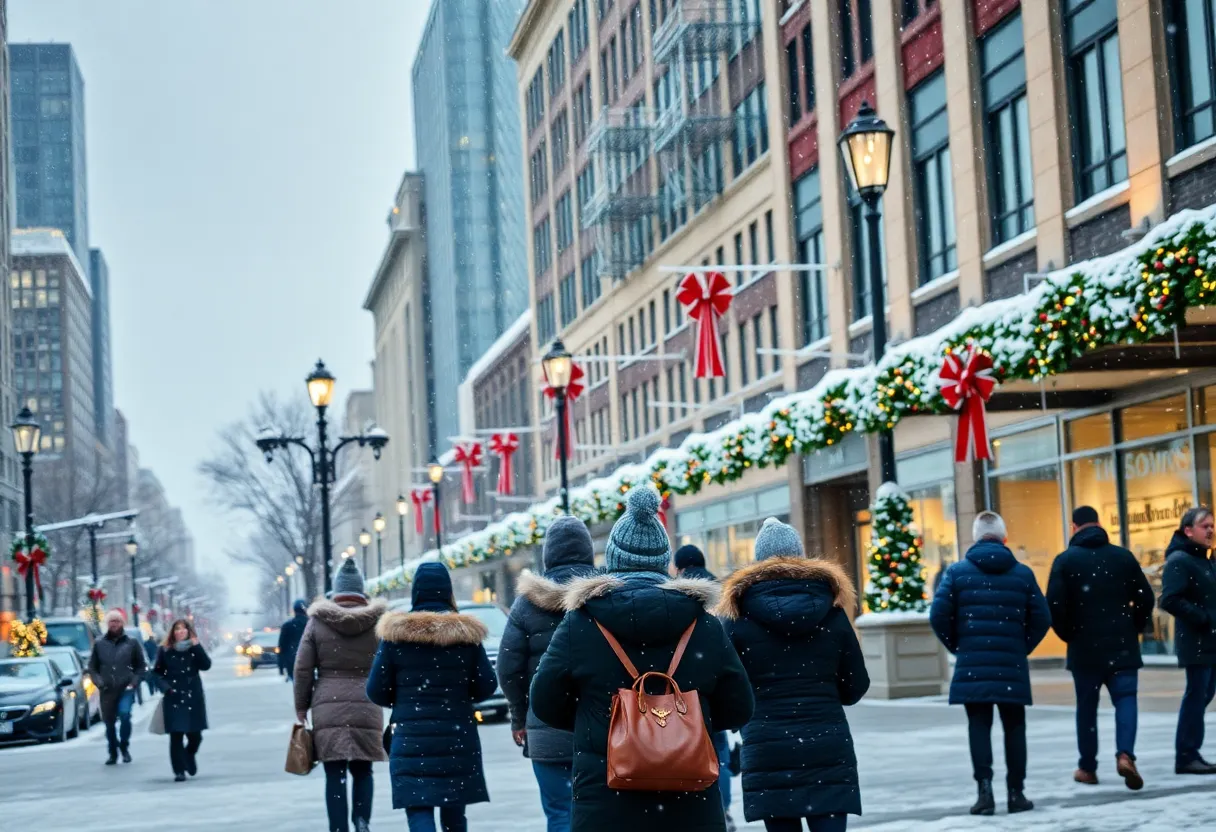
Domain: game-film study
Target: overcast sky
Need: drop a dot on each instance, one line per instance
(242, 157)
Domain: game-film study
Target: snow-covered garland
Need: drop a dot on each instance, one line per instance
(1129, 297)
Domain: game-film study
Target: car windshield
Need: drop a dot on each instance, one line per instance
(266, 639)
(20, 675)
(74, 634)
(493, 617)
(65, 657)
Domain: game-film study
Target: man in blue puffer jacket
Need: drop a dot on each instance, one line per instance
(990, 612)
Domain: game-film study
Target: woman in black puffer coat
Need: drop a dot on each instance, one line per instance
(178, 664)
(788, 618)
(431, 668)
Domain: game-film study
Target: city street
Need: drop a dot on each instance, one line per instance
(914, 770)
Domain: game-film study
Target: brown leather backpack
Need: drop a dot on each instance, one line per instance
(658, 743)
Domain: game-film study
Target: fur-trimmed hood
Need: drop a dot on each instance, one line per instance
(438, 629)
(349, 620)
(839, 586)
(547, 592)
(642, 608)
(578, 592)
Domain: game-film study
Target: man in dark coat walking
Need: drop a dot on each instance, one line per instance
(1188, 592)
(568, 554)
(990, 613)
(1100, 602)
(117, 666)
(579, 674)
(289, 638)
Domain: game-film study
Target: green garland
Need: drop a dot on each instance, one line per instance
(897, 575)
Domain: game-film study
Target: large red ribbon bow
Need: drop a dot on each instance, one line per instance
(97, 594)
(504, 446)
(468, 455)
(706, 297)
(967, 383)
(419, 497)
(573, 390)
(34, 560)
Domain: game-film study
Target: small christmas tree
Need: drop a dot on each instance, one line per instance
(897, 578)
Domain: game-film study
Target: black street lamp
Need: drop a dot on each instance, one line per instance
(324, 461)
(365, 540)
(132, 547)
(26, 436)
(435, 472)
(282, 582)
(94, 595)
(558, 365)
(866, 147)
(378, 524)
(403, 508)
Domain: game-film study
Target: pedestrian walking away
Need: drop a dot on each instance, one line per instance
(117, 665)
(568, 553)
(431, 669)
(331, 668)
(150, 650)
(788, 616)
(689, 562)
(1188, 592)
(1100, 602)
(289, 638)
(990, 613)
(648, 614)
(179, 662)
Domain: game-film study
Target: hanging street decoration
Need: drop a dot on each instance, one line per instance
(420, 497)
(97, 595)
(26, 640)
(705, 298)
(966, 384)
(468, 456)
(1131, 297)
(896, 575)
(573, 390)
(30, 560)
(504, 446)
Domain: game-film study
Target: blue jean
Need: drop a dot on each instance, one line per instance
(721, 742)
(556, 793)
(1122, 686)
(422, 819)
(815, 823)
(1200, 689)
(121, 737)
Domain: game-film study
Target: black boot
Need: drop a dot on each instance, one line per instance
(1018, 802)
(126, 755)
(191, 765)
(986, 802)
(361, 825)
(1195, 766)
(112, 759)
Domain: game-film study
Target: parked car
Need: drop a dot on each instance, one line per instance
(495, 619)
(35, 701)
(70, 665)
(262, 649)
(71, 632)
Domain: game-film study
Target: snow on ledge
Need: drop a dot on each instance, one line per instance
(886, 619)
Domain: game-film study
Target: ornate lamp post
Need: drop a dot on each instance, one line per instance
(324, 461)
(282, 582)
(403, 508)
(866, 147)
(378, 524)
(26, 436)
(132, 546)
(559, 366)
(435, 472)
(365, 540)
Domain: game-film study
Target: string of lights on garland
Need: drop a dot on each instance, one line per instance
(26, 640)
(897, 575)
(1131, 297)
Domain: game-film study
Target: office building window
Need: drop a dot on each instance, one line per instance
(666, 312)
(774, 336)
(1095, 94)
(569, 300)
(909, 10)
(725, 363)
(935, 238)
(585, 187)
(746, 13)
(808, 68)
(577, 20)
(559, 135)
(545, 328)
(633, 405)
(590, 279)
(536, 101)
(751, 130)
(556, 63)
(646, 408)
(542, 241)
(808, 229)
(683, 373)
(565, 222)
(654, 338)
(1193, 29)
(856, 36)
(758, 337)
(769, 241)
(625, 418)
(1007, 130)
(743, 379)
(861, 256)
(582, 112)
(538, 174)
(794, 102)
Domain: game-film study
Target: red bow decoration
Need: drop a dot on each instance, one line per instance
(26, 562)
(504, 446)
(663, 507)
(97, 594)
(468, 455)
(706, 297)
(967, 383)
(419, 497)
(573, 390)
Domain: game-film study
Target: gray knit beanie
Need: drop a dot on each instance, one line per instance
(777, 540)
(638, 542)
(348, 580)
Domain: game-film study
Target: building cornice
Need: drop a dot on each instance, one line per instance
(526, 26)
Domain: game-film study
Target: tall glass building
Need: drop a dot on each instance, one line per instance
(466, 126)
(103, 373)
(48, 141)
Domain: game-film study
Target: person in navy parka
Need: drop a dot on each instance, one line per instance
(430, 669)
(990, 612)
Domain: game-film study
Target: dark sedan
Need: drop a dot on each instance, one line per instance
(85, 691)
(263, 649)
(34, 701)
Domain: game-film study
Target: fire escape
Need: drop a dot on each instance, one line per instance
(623, 202)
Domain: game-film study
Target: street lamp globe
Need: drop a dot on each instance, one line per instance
(866, 147)
(320, 385)
(558, 365)
(403, 505)
(435, 472)
(350, 551)
(279, 579)
(290, 570)
(365, 538)
(379, 523)
(132, 546)
(300, 559)
(26, 432)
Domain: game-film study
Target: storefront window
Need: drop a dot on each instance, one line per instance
(726, 530)
(933, 513)
(1089, 433)
(1155, 418)
(1205, 406)
(1091, 482)
(1025, 448)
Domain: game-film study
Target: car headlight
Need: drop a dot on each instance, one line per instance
(255, 650)
(89, 687)
(43, 707)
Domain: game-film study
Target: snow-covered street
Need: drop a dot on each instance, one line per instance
(914, 769)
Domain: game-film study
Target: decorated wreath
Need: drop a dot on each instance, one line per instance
(27, 639)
